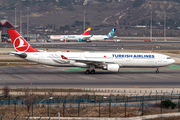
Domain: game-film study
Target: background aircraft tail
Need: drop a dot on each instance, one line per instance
(111, 33)
(19, 43)
(87, 31)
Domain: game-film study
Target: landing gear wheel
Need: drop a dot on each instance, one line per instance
(88, 41)
(157, 71)
(87, 72)
(92, 71)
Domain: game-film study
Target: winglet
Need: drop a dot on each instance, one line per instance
(63, 57)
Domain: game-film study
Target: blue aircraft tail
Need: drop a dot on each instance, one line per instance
(111, 33)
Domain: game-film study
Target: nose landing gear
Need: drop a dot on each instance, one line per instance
(157, 71)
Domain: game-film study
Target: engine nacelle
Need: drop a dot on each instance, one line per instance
(61, 39)
(80, 40)
(113, 67)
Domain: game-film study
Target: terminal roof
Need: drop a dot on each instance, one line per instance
(7, 24)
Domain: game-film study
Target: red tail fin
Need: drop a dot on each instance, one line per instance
(87, 31)
(20, 45)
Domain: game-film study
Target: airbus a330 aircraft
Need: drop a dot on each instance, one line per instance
(65, 38)
(107, 61)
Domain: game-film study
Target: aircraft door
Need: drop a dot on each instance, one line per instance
(159, 58)
(40, 56)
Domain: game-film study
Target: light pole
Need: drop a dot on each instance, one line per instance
(164, 26)
(21, 22)
(15, 16)
(151, 28)
(84, 19)
(27, 23)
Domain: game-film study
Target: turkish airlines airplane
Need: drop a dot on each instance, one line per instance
(111, 62)
(78, 38)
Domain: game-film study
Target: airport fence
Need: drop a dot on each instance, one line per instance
(90, 106)
(126, 109)
(96, 90)
(42, 102)
(133, 91)
(58, 99)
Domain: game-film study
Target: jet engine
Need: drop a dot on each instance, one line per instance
(80, 40)
(112, 67)
(62, 40)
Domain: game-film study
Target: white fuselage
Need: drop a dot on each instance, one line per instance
(98, 37)
(68, 37)
(78, 37)
(122, 59)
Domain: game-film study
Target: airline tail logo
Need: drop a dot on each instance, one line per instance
(87, 31)
(20, 45)
(111, 33)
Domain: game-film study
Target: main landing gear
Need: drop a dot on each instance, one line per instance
(157, 71)
(90, 72)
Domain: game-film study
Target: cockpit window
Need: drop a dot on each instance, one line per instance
(168, 57)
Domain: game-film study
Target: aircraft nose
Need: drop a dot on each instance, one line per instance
(173, 61)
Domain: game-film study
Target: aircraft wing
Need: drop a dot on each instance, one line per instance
(88, 62)
(86, 38)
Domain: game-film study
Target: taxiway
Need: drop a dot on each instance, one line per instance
(44, 76)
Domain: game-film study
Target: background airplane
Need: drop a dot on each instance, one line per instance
(102, 37)
(78, 38)
(107, 61)
(84, 37)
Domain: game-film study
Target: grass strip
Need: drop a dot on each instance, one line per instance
(14, 61)
(12, 64)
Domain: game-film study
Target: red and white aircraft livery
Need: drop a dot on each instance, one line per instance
(106, 61)
(78, 38)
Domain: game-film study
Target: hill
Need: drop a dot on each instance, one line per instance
(99, 14)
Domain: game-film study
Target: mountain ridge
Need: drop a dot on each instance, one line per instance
(98, 14)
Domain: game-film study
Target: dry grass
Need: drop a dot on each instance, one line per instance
(17, 63)
(83, 111)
